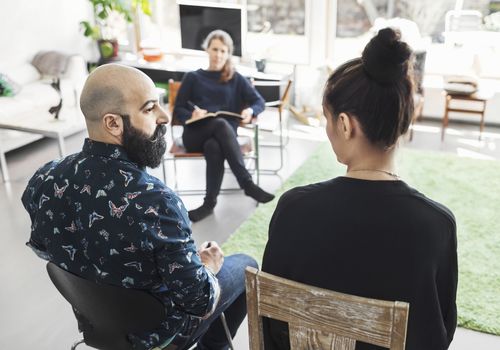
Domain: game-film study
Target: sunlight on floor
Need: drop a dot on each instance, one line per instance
(462, 152)
(426, 129)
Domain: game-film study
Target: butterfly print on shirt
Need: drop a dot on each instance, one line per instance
(94, 217)
(71, 251)
(42, 200)
(173, 266)
(86, 188)
(135, 264)
(101, 193)
(132, 195)
(71, 228)
(127, 175)
(115, 211)
(152, 210)
(99, 272)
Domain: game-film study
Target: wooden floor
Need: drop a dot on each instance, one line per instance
(34, 316)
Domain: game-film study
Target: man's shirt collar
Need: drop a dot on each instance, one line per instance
(108, 150)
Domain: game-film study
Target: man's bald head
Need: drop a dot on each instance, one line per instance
(107, 90)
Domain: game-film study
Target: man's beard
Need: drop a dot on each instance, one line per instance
(142, 149)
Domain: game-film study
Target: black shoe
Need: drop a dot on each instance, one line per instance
(257, 193)
(201, 212)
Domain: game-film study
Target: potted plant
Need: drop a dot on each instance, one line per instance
(104, 30)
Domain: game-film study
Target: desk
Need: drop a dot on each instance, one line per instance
(163, 71)
(44, 124)
(478, 99)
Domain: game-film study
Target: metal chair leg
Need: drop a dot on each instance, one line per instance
(226, 329)
(257, 165)
(81, 341)
(176, 185)
(164, 168)
(281, 145)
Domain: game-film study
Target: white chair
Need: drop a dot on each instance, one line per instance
(276, 107)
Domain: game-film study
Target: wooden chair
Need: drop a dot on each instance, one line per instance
(320, 318)
(277, 106)
(249, 146)
(476, 104)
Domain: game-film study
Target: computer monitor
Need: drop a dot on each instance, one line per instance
(198, 20)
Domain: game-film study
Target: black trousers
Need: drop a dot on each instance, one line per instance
(216, 139)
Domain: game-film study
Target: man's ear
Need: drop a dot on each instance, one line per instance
(346, 125)
(113, 124)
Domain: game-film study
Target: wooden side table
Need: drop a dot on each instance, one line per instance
(481, 100)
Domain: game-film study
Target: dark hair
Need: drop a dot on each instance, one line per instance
(227, 71)
(376, 89)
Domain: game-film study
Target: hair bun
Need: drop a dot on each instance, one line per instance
(385, 57)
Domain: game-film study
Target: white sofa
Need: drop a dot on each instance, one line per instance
(35, 97)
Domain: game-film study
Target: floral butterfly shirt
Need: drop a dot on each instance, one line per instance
(101, 217)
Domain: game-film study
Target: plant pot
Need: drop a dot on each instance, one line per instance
(260, 64)
(108, 49)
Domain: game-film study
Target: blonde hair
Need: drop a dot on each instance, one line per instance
(227, 71)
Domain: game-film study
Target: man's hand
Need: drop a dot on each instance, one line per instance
(211, 256)
(247, 115)
(198, 113)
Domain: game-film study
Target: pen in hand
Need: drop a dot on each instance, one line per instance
(193, 106)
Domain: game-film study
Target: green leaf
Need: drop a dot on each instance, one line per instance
(103, 14)
(146, 7)
(89, 30)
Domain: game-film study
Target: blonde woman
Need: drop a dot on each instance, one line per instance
(218, 88)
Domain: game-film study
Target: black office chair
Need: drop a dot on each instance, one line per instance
(109, 312)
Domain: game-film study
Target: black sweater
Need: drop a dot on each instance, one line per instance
(203, 89)
(377, 239)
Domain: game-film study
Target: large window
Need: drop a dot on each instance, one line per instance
(460, 36)
(277, 30)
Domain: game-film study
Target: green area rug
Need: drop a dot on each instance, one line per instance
(469, 187)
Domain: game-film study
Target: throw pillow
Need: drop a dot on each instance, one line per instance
(7, 86)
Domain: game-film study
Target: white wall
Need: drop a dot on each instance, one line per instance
(28, 26)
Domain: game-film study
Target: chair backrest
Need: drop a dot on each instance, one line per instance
(463, 20)
(173, 88)
(285, 96)
(320, 318)
(109, 312)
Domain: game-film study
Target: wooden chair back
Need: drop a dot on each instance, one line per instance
(320, 318)
(173, 89)
(286, 95)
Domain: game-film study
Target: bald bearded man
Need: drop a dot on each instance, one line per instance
(101, 216)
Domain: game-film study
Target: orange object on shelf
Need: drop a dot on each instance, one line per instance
(152, 55)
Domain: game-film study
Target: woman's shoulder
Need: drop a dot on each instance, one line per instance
(238, 77)
(193, 74)
(432, 205)
(301, 195)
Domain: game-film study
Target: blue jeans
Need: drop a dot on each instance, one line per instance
(209, 334)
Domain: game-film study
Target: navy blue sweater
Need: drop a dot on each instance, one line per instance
(204, 89)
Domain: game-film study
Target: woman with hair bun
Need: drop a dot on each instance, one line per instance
(218, 88)
(368, 233)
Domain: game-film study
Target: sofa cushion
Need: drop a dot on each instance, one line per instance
(8, 87)
(23, 73)
(36, 97)
(51, 63)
